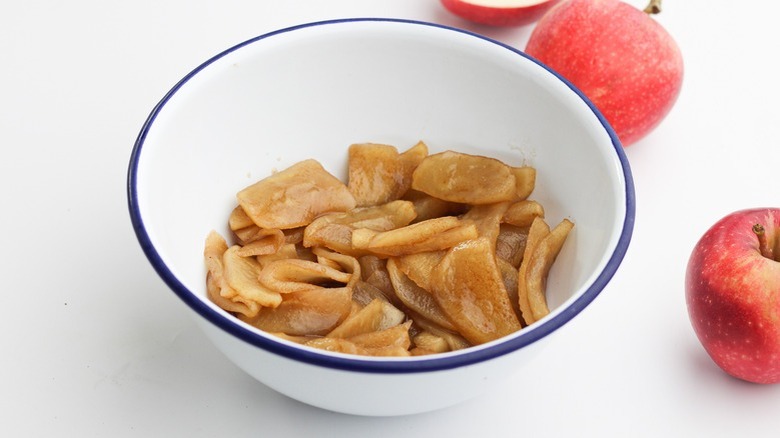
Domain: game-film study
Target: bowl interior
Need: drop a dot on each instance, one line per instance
(311, 91)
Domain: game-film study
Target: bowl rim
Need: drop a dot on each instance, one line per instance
(357, 363)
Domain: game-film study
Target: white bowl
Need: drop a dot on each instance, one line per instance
(312, 90)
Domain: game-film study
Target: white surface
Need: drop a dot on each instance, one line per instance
(94, 345)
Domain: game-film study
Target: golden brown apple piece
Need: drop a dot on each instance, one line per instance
(431, 235)
(241, 274)
(539, 266)
(334, 230)
(262, 242)
(510, 243)
(394, 341)
(428, 207)
(487, 218)
(468, 286)
(416, 298)
(464, 178)
(426, 343)
(522, 213)
(379, 174)
(418, 267)
(377, 315)
(306, 313)
(538, 231)
(295, 196)
(217, 288)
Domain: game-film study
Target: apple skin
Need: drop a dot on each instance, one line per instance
(498, 16)
(733, 295)
(618, 56)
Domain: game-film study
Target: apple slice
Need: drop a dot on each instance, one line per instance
(499, 12)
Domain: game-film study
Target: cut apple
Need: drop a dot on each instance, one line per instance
(499, 12)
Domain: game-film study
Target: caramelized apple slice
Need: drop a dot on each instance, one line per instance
(306, 313)
(416, 298)
(293, 275)
(464, 178)
(454, 340)
(217, 288)
(364, 293)
(428, 207)
(522, 213)
(431, 235)
(426, 343)
(335, 230)
(538, 231)
(468, 286)
(286, 251)
(377, 315)
(418, 267)
(239, 219)
(539, 266)
(510, 243)
(525, 181)
(295, 196)
(510, 277)
(262, 242)
(241, 274)
(487, 218)
(379, 174)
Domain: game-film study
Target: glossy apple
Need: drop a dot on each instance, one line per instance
(732, 289)
(499, 12)
(620, 57)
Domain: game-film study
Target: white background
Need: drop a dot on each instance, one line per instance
(93, 344)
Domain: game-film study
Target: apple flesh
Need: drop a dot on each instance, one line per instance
(732, 289)
(622, 59)
(499, 12)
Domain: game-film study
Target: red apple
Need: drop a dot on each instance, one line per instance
(618, 56)
(499, 12)
(732, 289)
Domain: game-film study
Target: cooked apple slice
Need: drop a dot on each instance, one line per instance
(293, 275)
(431, 235)
(379, 174)
(454, 340)
(393, 336)
(241, 274)
(418, 267)
(426, 343)
(522, 213)
(538, 231)
(334, 230)
(510, 243)
(377, 315)
(312, 312)
(428, 207)
(262, 242)
(487, 218)
(416, 298)
(464, 178)
(468, 286)
(295, 196)
(217, 288)
(510, 276)
(525, 181)
(539, 266)
(239, 219)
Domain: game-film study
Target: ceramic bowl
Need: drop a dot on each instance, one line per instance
(312, 90)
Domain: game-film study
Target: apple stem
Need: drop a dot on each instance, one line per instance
(653, 8)
(763, 245)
